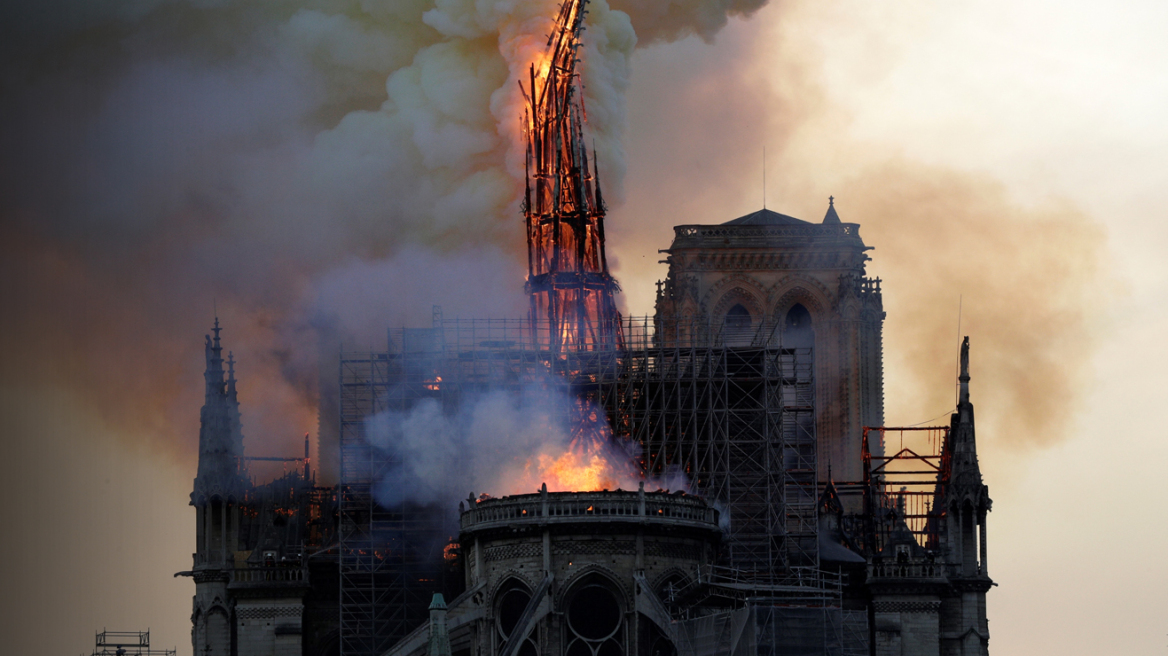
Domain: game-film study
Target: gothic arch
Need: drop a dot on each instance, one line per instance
(217, 626)
(747, 284)
(510, 597)
(745, 297)
(596, 610)
(509, 577)
(592, 571)
(808, 292)
(671, 575)
(689, 308)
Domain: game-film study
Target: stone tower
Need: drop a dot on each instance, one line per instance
(767, 277)
(219, 488)
(932, 602)
(964, 628)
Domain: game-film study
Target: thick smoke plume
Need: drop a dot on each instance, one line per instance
(1024, 283)
(316, 170)
(499, 443)
(1031, 272)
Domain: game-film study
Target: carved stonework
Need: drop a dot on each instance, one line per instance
(268, 612)
(798, 294)
(511, 551)
(595, 548)
(739, 296)
(907, 606)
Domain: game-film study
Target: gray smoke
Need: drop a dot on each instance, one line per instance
(309, 167)
(501, 442)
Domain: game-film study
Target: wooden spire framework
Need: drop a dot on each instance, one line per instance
(568, 283)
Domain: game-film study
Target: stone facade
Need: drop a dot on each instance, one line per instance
(567, 573)
(269, 626)
(634, 573)
(251, 570)
(767, 277)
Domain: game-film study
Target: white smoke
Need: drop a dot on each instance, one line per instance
(500, 442)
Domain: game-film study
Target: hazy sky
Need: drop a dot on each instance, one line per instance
(1061, 105)
(1010, 154)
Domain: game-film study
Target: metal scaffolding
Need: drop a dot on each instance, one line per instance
(904, 488)
(127, 643)
(739, 421)
(386, 563)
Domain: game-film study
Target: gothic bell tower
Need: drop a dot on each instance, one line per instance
(218, 490)
(768, 279)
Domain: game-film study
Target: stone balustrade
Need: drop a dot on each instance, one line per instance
(573, 507)
(688, 236)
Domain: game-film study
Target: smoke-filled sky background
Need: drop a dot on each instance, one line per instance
(319, 170)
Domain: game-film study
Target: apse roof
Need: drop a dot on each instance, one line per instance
(766, 217)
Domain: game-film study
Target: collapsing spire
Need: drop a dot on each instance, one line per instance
(570, 289)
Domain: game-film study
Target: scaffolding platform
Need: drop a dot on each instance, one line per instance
(127, 643)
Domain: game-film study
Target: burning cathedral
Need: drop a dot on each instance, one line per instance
(806, 526)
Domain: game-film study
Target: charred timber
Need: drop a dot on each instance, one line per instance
(571, 292)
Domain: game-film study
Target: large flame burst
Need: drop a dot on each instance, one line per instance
(584, 466)
(570, 289)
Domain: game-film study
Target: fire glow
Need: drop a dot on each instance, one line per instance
(578, 469)
(568, 282)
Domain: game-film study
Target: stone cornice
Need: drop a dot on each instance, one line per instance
(841, 235)
(906, 606)
(747, 260)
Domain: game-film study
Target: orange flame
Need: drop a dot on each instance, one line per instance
(582, 467)
(573, 472)
(450, 552)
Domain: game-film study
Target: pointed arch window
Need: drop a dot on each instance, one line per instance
(510, 602)
(738, 324)
(797, 329)
(595, 621)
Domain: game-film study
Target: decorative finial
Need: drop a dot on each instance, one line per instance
(963, 378)
(831, 216)
(231, 393)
